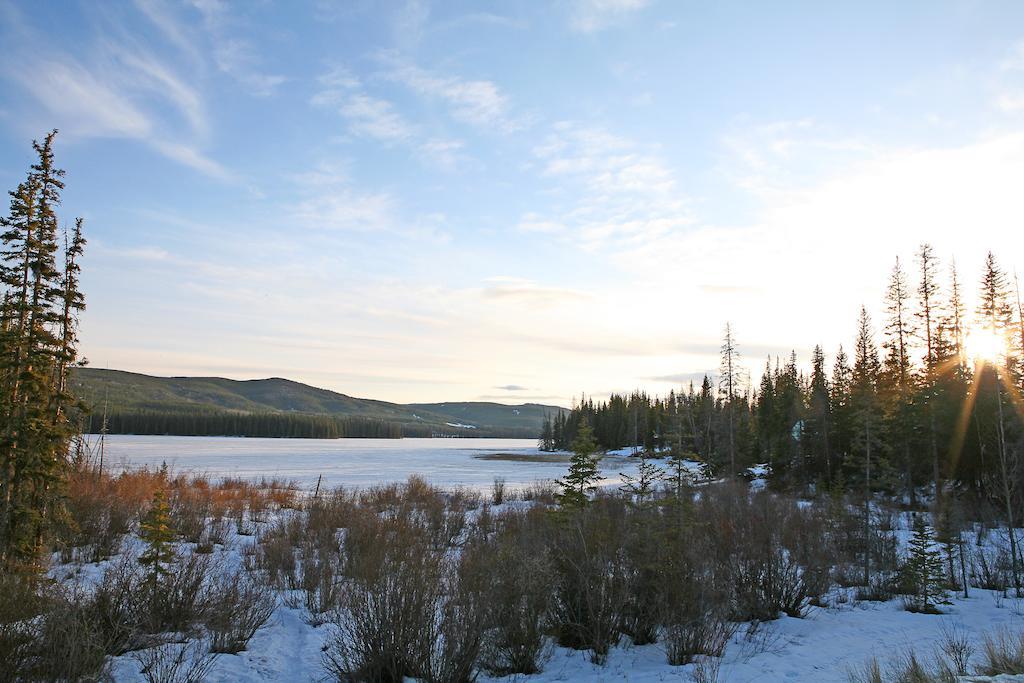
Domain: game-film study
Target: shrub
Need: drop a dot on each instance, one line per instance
(241, 606)
(176, 662)
(591, 583)
(384, 623)
(521, 574)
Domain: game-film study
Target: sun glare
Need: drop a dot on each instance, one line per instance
(985, 345)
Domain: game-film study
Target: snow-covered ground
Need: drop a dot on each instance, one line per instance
(822, 647)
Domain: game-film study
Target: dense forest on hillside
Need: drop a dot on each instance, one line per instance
(939, 401)
(133, 403)
(278, 425)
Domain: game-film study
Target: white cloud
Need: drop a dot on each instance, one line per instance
(374, 117)
(528, 291)
(588, 16)
(82, 103)
(234, 56)
(476, 102)
(624, 194)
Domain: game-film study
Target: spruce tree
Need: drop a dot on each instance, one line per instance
(818, 424)
(729, 382)
(583, 474)
(38, 346)
(156, 532)
(642, 486)
(895, 386)
(922, 572)
(995, 315)
(865, 410)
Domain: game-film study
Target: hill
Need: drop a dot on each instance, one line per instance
(137, 403)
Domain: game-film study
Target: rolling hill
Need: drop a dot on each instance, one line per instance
(137, 403)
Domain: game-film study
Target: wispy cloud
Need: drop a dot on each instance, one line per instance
(374, 117)
(529, 291)
(623, 194)
(477, 102)
(233, 55)
(588, 16)
(513, 387)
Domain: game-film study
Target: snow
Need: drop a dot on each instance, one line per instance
(822, 647)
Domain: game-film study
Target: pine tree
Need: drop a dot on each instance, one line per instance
(995, 315)
(38, 345)
(927, 295)
(156, 531)
(896, 387)
(865, 410)
(583, 474)
(643, 484)
(922, 572)
(729, 385)
(818, 425)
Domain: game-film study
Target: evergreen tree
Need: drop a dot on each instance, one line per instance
(927, 295)
(38, 345)
(995, 315)
(156, 532)
(922, 572)
(729, 386)
(583, 474)
(896, 387)
(865, 412)
(818, 424)
(642, 486)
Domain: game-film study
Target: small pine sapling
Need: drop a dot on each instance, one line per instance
(923, 573)
(156, 531)
(583, 474)
(641, 487)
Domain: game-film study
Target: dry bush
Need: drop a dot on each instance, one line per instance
(66, 646)
(463, 618)
(521, 574)
(19, 602)
(117, 605)
(498, 491)
(384, 624)
(695, 602)
(241, 606)
(645, 549)
(591, 577)
(320, 582)
(542, 492)
(1002, 653)
(461, 498)
(956, 649)
(746, 539)
(991, 568)
(188, 662)
(182, 599)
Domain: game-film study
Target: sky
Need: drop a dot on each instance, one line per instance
(510, 201)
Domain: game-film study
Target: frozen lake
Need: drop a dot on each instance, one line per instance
(352, 462)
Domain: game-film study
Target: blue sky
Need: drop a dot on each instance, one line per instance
(510, 201)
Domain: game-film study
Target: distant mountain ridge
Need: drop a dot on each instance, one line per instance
(138, 403)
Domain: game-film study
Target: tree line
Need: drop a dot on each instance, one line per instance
(273, 425)
(936, 404)
(41, 300)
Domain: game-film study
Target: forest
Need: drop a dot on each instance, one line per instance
(274, 425)
(935, 406)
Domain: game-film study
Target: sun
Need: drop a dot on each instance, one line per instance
(985, 345)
